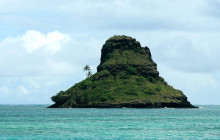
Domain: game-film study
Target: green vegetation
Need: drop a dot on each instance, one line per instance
(126, 76)
(150, 91)
(158, 88)
(132, 70)
(151, 79)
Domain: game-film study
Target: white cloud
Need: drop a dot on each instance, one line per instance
(52, 42)
(34, 53)
(34, 76)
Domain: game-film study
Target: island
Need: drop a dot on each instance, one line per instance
(126, 77)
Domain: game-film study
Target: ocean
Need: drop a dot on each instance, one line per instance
(38, 122)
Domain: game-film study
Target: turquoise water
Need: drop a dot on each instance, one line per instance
(38, 122)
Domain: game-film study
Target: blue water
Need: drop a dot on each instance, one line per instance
(39, 122)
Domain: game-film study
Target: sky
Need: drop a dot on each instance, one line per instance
(45, 44)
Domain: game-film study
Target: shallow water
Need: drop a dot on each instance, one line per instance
(39, 122)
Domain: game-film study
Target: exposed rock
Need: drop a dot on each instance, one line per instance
(126, 77)
(122, 52)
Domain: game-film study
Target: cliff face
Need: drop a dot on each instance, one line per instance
(126, 77)
(120, 53)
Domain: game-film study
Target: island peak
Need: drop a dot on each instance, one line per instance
(126, 77)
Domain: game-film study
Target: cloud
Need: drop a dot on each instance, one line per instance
(83, 15)
(189, 52)
(33, 54)
(32, 70)
(142, 15)
(53, 53)
(52, 42)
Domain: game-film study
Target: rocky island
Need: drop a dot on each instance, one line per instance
(126, 77)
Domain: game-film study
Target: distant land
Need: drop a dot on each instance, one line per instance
(126, 77)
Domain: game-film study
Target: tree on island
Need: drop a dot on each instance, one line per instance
(89, 73)
(87, 69)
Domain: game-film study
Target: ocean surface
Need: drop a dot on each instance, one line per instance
(38, 122)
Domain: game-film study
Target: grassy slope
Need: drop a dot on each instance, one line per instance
(121, 88)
